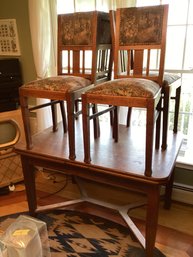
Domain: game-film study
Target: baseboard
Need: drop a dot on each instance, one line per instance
(182, 194)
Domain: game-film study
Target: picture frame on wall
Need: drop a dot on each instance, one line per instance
(9, 41)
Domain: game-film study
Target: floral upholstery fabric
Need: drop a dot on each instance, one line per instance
(127, 87)
(168, 77)
(79, 28)
(59, 83)
(76, 29)
(141, 25)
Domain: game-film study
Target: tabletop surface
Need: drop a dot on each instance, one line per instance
(125, 158)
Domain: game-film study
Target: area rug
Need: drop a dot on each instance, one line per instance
(76, 234)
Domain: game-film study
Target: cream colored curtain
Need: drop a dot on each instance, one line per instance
(125, 3)
(85, 5)
(42, 17)
(103, 5)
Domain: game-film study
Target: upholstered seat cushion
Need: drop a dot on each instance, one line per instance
(131, 87)
(170, 78)
(59, 84)
(167, 78)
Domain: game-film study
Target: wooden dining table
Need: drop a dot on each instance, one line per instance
(118, 164)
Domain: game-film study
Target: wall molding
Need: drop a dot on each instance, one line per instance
(182, 193)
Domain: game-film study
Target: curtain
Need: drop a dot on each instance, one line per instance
(42, 18)
(100, 5)
(85, 5)
(125, 3)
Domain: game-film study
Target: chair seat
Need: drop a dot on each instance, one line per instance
(170, 77)
(62, 84)
(130, 87)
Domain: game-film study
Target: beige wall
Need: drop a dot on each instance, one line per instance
(18, 9)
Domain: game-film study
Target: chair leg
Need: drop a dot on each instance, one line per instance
(54, 116)
(166, 99)
(177, 106)
(71, 128)
(63, 113)
(116, 124)
(129, 111)
(76, 107)
(96, 122)
(158, 124)
(26, 121)
(111, 117)
(86, 129)
(149, 138)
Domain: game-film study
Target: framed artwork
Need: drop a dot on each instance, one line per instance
(9, 42)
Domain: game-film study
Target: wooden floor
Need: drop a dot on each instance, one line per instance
(175, 228)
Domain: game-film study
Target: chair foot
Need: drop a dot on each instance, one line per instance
(55, 129)
(148, 172)
(72, 157)
(177, 106)
(175, 131)
(164, 147)
(87, 160)
(129, 117)
(29, 146)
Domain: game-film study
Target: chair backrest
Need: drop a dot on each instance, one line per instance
(139, 42)
(84, 45)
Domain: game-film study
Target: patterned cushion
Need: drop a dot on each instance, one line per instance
(76, 29)
(59, 83)
(170, 77)
(131, 87)
(142, 25)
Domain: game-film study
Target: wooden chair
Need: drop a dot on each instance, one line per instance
(171, 82)
(84, 59)
(140, 31)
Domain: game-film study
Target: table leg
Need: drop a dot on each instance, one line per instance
(168, 192)
(29, 179)
(26, 121)
(152, 219)
(71, 126)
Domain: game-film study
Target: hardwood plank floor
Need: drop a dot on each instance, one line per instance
(175, 225)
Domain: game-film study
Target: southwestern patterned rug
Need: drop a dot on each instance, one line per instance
(76, 234)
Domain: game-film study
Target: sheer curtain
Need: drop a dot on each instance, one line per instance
(85, 5)
(42, 17)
